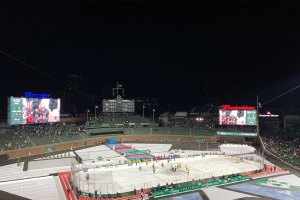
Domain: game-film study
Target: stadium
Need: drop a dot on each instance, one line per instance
(207, 153)
(210, 110)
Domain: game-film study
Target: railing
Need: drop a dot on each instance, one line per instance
(186, 187)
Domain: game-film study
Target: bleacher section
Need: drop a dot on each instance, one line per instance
(121, 121)
(29, 136)
(117, 124)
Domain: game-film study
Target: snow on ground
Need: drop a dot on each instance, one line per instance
(215, 193)
(126, 178)
(34, 188)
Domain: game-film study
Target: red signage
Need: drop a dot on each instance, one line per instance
(229, 107)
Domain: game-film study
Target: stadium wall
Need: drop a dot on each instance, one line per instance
(67, 146)
(69, 120)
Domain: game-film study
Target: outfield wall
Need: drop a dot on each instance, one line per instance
(67, 146)
(71, 120)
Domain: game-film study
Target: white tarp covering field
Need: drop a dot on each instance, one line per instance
(235, 149)
(34, 188)
(90, 156)
(14, 172)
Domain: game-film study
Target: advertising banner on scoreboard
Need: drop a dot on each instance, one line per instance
(33, 110)
(237, 115)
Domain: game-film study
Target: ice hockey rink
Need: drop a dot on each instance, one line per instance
(122, 178)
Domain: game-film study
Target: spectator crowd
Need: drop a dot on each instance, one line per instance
(17, 137)
(286, 147)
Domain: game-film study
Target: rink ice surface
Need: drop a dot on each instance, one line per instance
(126, 178)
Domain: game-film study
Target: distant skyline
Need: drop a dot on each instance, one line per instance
(180, 53)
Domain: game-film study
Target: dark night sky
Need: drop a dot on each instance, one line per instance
(175, 51)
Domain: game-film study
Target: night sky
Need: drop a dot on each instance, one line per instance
(178, 52)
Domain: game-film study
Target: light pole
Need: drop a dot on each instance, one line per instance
(143, 111)
(87, 115)
(96, 111)
(153, 114)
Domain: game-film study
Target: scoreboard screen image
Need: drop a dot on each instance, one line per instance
(237, 117)
(33, 110)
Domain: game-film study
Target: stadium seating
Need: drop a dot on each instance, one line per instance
(17, 137)
(286, 147)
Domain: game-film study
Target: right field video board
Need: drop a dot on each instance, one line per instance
(243, 115)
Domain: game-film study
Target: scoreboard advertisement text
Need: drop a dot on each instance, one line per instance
(33, 110)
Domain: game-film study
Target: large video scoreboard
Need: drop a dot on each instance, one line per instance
(237, 115)
(118, 105)
(33, 110)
